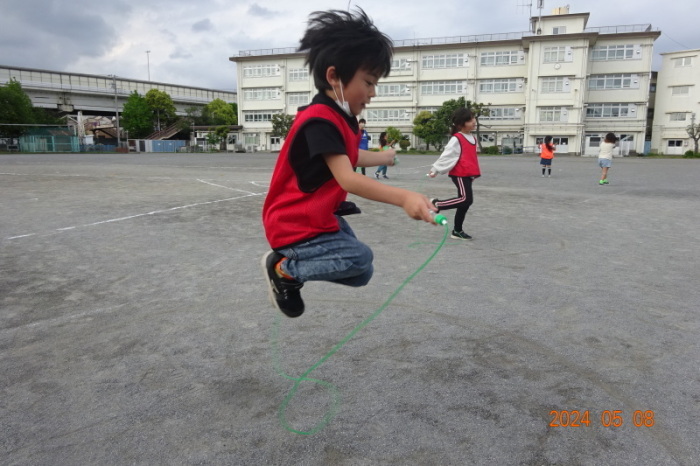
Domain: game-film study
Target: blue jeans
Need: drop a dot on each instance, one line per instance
(335, 257)
(381, 169)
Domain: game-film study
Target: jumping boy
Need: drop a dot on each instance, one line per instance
(302, 214)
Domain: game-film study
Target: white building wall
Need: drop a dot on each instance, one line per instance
(678, 70)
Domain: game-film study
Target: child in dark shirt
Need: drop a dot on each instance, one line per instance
(302, 214)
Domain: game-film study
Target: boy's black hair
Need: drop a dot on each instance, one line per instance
(459, 117)
(349, 42)
(362, 120)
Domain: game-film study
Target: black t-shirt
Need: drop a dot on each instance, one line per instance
(314, 140)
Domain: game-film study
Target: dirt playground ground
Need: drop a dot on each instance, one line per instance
(135, 326)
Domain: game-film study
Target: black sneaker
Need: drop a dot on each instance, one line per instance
(433, 202)
(284, 293)
(459, 235)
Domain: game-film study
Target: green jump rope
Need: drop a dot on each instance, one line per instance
(332, 389)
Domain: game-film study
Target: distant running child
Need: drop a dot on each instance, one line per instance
(460, 160)
(605, 156)
(547, 154)
(384, 144)
(302, 213)
(365, 138)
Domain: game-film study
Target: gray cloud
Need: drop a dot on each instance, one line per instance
(257, 10)
(203, 25)
(69, 35)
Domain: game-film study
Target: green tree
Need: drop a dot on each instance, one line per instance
(234, 106)
(444, 114)
(218, 112)
(478, 110)
(393, 134)
(281, 124)
(15, 108)
(162, 107)
(195, 115)
(429, 129)
(137, 116)
(218, 137)
(438, 127)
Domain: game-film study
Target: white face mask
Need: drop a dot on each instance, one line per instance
(344, 104)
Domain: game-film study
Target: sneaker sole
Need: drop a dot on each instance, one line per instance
(270, 291)
(463, 239)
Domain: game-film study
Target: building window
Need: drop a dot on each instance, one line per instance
(682, 61)
(451, 60)
(502, 113)
(612, 52)
(391, 114)
(260, 71)
(559, 30)
(556, 140)
(549, 114)
(443, 87)
(554, 54)
(251, 139)
(553, 84)
(297, 99)
(677, 116)
(610, 110)
(261, 93)
(680, 90)
(509, 57)
(257, 116)
(498, 85)
(400, 64)
(393, 90)
(599, 82)
(298, 74)
(675, 143)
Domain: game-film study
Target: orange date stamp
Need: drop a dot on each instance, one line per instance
(608, 418)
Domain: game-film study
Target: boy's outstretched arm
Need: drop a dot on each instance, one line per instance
(416, 205)
(370, 158)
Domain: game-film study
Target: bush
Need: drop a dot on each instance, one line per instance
(490, 150)
(691, 155)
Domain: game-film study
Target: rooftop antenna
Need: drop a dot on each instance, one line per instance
(540, 6)
(527, 5)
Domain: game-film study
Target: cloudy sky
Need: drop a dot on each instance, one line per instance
(190, 41)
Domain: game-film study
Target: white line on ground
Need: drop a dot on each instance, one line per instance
(225, 187)
(112, 220)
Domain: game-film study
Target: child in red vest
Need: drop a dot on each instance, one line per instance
(302, 214)
(460, 160)
(547, 154)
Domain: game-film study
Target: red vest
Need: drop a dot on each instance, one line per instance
(547, 152)
(291, 215)
(468, 163)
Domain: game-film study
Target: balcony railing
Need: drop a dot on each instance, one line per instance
(462, 39)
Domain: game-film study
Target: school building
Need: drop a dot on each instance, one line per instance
(560, 78)
(677, 102)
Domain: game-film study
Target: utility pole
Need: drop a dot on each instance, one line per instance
(116, 108)
(148, 63)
